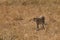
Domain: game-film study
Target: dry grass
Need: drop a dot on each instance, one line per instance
(15, 16)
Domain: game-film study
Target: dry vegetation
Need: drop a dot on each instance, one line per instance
(15, 16)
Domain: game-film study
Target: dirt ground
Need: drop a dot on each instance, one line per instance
(15, 16)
